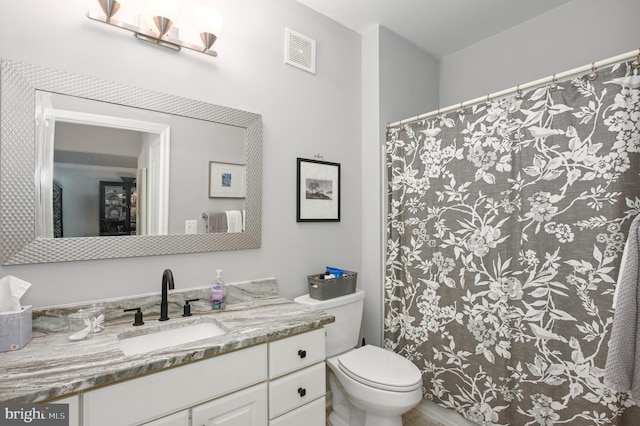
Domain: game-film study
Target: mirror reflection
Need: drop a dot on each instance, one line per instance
(112, 170)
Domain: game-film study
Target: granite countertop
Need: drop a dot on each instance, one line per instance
(51, 366)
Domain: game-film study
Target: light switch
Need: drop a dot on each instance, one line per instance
(191, 227)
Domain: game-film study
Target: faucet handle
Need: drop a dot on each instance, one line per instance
(138, 316)
(186, 309)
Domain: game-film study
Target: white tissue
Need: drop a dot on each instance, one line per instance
(11, 291)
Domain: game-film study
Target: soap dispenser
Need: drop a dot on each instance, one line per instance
(218, 292)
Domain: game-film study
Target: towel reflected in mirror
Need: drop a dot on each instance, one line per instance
(228, 221)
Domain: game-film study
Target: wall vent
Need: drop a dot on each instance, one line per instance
(300, 51)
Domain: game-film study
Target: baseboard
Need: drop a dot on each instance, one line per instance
(443, 416)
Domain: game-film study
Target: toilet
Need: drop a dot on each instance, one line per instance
(370, 386)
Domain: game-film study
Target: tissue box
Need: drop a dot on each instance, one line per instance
(15, 329)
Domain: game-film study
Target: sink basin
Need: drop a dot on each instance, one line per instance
(165, 336)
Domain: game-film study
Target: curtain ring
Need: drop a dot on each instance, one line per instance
(636, 64)
(518, 93)
(438, 115)
(488, 102)
(461, 110)
(593, 74)
(554, 85)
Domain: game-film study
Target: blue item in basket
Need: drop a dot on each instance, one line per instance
(335, 271)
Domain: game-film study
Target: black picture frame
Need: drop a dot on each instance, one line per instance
(318, 191)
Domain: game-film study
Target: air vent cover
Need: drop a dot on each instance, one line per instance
(300, 51)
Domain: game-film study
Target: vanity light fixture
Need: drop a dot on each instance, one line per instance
(163, 13)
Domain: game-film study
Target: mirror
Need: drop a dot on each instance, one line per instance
(162, 130)
(110, 165)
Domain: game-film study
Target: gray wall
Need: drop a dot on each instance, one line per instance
(409, 78)
(411, 82)
(370, 276)
(398, 79)
(572, 35)
(303, 115)
(360, 85)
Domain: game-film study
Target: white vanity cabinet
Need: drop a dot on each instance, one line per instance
(74, 408)
(154, 396)
(247, 407)
(181, 418)
(297, 383)
(280, 383)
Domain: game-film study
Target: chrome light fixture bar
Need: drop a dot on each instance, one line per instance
(207, 19)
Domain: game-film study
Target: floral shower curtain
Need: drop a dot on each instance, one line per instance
(506, 223)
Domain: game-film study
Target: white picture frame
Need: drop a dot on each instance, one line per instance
(227, 180)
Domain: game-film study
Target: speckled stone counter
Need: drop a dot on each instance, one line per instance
(51, 366)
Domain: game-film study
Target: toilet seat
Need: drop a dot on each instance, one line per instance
(380, 369)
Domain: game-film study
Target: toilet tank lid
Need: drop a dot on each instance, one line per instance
(330, 303)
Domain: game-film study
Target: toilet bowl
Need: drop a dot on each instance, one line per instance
(370, 386)
(379, 384)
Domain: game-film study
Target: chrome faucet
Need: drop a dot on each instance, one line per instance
(167, 284)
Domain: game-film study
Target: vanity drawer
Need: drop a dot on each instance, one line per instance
(155, 395)
(312, 414)
(294, 353)
(296, 389)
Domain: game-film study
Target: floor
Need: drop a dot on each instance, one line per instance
(412, 418)
(416, 418)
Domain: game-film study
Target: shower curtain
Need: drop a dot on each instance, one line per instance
(506, 223)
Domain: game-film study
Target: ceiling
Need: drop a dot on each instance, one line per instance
(439, 27)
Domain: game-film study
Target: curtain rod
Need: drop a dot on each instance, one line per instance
(553, 78)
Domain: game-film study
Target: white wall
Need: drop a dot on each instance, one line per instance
(575, 34)
(303, 114)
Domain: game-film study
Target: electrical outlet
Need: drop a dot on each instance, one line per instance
(191, 227)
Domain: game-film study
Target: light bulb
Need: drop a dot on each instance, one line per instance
(208, 20)
(165, 8)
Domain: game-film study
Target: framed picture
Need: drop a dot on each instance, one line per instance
(318, 188)
(226, 180)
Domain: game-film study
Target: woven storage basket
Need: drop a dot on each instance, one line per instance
(321, 289)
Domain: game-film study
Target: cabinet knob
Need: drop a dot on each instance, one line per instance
(302, 354)
(302, 392)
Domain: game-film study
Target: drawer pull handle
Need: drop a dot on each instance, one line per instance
(302, 354)
(302, 392)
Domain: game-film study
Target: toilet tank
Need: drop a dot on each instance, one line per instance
(343, 334)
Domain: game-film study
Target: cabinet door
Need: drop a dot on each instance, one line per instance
(74, 407)
(178, 419)
(247, 407)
